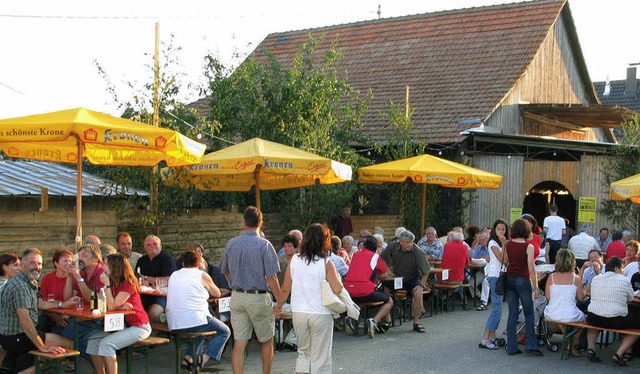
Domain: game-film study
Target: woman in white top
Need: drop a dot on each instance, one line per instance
(562, 289)
(611, 293)
(543, 258)
(312, 321)
(188, 309)
(498, 238)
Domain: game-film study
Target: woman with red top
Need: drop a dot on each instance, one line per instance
(534, 238)
(521, 284)
(123, 292)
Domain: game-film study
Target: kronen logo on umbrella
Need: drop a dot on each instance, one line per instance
(258, 163)
(70, 135)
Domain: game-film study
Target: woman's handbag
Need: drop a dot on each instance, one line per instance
(329, 298)
(501, 283)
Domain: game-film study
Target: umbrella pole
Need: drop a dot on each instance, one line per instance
(257, 177)
(424, 208)
(78, 238)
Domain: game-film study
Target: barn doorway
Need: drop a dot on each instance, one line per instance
(540, 196)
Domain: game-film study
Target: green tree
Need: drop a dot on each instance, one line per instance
(173, 114)
(624, 162)
(305, 103)
(444, 206)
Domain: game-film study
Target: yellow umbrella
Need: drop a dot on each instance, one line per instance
(427, 169)
(260, 163)
(628, 188)
(70, 135)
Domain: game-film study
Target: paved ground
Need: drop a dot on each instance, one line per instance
(449, 345)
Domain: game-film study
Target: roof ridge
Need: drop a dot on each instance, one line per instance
(434, 14)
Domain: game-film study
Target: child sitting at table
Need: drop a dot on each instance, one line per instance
(123, 292)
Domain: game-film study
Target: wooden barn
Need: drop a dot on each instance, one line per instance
(506, 85)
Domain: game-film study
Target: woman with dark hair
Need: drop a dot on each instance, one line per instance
(610, 307)
(521, 284)
(123, 292)
(9, 267)
(188, 309)
(290, 246)
(534, 238)
(366, 267)
(472, 236)
(497, 239)
(312, 321)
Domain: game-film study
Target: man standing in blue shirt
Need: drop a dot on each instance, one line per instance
(251, 265)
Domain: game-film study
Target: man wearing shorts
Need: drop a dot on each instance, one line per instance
(366, 266)
(250, 264)
(410, 263)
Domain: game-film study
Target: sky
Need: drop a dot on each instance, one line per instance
(50, 48)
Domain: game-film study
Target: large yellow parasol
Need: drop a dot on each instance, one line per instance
(70, 135)
(628, 188)
(260, 163)
(427, 169)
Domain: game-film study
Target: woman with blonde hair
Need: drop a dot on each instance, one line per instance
(123, 292)
(563, 288)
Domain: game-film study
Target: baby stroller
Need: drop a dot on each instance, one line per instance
(541, 331)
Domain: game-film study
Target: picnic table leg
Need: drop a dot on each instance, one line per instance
(76, 344)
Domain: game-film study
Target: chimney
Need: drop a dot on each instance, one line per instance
(631, 86)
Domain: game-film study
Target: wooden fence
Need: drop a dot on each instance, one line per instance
(56, 229)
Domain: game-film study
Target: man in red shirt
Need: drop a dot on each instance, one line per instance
(82, 279)
(455, 258)
(366, 266)
(616, 247)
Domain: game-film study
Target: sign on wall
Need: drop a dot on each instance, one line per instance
(587, 209)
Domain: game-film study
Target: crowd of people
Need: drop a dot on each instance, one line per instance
(264, 283)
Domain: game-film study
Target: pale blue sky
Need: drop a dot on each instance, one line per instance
(49, 47)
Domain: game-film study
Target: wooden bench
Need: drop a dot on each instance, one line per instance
(399, 310)
(179, 339)
(53, 358)
(448, 290)
(284, 324)
(365, 308)
(408, 304)
(142, 347)
(572, 328)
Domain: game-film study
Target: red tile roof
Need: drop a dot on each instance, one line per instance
(459, 64)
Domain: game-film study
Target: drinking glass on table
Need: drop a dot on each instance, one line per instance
(51, 297)
(161, 285)
(80, 304)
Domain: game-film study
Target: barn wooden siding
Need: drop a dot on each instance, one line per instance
(592, 185)
(488, 205)
(51, 230)
(538, 171)
(551, 77)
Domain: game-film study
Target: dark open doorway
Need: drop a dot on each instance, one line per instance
(550, 192)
